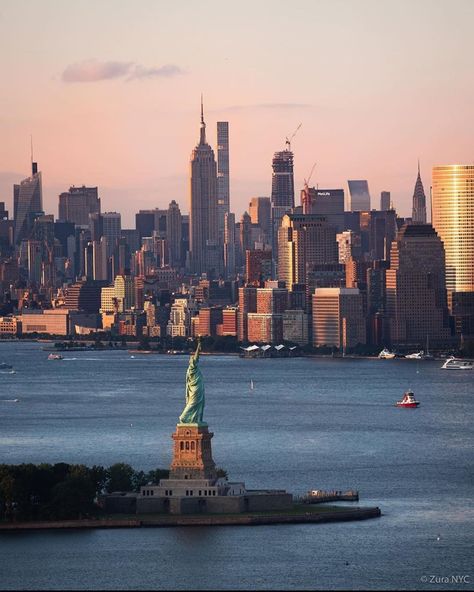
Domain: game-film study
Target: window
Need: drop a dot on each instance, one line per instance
(193, 446)
(187, 445)
(181, 445)
(200, 492)
(187, 492)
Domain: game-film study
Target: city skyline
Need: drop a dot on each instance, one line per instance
(364, 123)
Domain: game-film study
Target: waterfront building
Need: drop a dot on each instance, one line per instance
(338, 318)
(359, 196)
(385, 201)
(223, 176)
(27, 203)
(419, 201)
(179, 324)
(76, 204)
(416, 287)
(295, 326)
(85, 296)
(203, 224)
(209, 319)
(453, 220)
(229, 321)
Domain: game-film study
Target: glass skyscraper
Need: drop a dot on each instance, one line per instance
(27, 203)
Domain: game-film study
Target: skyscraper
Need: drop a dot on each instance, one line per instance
(304, 240)
(223, 180)
(359, 196)
(203, 231)
(76, 204)
(385, 201)
(27, 203)
(260, 210)
(453, 219)
(419, 201)
(283, 192)
(229, 245)
(173, 231)
(111, 229)
(416, 288)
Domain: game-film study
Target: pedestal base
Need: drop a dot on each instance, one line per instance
(192, 453)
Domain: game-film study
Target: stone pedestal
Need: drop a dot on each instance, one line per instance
(192, 453)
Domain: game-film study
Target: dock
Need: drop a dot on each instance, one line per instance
(319, 496)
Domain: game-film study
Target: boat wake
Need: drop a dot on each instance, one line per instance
(10, 400)
(7, 371)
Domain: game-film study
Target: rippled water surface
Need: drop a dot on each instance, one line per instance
(308, 423)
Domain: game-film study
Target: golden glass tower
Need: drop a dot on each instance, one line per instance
(453, 219)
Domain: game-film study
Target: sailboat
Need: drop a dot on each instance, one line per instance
(251, 385)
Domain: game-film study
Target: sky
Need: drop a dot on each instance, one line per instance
(110, 92)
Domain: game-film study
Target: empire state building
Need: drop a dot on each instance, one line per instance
(203, 223)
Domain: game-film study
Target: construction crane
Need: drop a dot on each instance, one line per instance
(305, 197)
(288, 141)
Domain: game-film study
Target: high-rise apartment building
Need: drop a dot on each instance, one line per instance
(76, 204)
(453, 219)
(27, 203)
(359, 196)
(419, 201)
(203, 223)
(223, 179)
(416, 287)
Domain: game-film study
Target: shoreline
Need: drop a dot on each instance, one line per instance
(249, 519)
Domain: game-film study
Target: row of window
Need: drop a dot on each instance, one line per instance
(205, 492)
(187, 445)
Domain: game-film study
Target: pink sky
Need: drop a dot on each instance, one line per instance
(110, 92)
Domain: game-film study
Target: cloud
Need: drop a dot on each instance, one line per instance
(93, 71)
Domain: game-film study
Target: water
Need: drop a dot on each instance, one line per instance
(307, 424)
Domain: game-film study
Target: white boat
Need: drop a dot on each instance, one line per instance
(416, 356)
(251, 385)
(55, 357)
(385, 354)
(455, 364)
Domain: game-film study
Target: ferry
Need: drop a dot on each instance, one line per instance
(4, 366)
(455, 364)
(385, 354)
(408, 400)
(55, 357)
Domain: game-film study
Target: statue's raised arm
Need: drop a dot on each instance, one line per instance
(194, 409)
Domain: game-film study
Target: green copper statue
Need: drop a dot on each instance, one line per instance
(194, 408)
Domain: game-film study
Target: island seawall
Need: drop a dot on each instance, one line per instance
(337, 515)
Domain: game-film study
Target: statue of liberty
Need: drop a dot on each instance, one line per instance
(194, 409)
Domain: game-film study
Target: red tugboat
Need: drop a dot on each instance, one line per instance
(408, 400)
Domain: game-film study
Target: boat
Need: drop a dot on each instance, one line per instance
(55, 357)
(453, 363)
(408, 400)
(4, 366)
(251, 385)
(416, 356)
(385, 354)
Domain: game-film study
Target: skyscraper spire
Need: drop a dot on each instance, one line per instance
(419, 200)
(202, 139)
